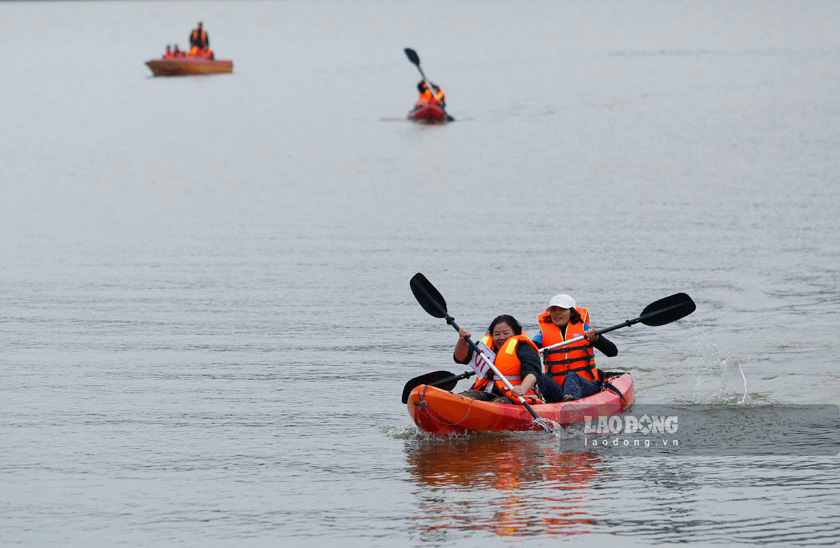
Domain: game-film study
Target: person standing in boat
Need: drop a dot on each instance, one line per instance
(199, 38)
(428, 96)
(200, 43)
(516, 357)
(570, 371)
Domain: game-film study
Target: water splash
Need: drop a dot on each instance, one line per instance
(412, 433)
(551, 427)
(721, 373)
(746, 390)
(402, 432)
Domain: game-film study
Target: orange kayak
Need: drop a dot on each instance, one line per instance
(427, 111)
(440, 412)
(189, 65)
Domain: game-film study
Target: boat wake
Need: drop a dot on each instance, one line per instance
(401, 432)
(552, 430)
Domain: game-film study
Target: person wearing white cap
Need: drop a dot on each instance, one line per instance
(570, 371)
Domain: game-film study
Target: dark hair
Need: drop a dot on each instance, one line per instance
(510, 320)
(575, 316)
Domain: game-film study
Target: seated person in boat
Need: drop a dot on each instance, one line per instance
(426, 95)
(178, 53)
(516, 357)
(206, 53)
(168, 54)
(570, 371)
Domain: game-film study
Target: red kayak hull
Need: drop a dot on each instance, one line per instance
(440, 412)
(427, 112)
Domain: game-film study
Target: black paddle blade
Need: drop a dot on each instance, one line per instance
(412, 56)
(429, 298)
(430, 378)
(667, 310)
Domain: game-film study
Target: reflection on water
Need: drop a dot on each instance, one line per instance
(534, 487)
(510, 486)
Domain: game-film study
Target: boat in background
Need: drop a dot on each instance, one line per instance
(184, 66)
(441, 412)
(427, 111)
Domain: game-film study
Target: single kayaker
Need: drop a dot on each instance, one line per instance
(516, 358)
(199, 38)
(570, 371)
(425, 95)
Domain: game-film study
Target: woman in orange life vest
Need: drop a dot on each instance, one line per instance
(517, 359)
(426, 95)
(570, 372)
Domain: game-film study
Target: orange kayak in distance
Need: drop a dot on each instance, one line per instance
(440, 412)
(185, 66)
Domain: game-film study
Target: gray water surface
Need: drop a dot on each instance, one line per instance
(205, 318)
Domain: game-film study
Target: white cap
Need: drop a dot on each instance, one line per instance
(562, 300)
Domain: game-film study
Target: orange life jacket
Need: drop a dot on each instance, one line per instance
(205, 53)
(428, 96)
(425, 101)
(168, 55)
(200, 39)
(578, 357)
(508, 364)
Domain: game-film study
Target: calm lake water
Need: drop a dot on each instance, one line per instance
(205, 318)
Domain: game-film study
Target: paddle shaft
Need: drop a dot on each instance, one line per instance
(464, 375)
(429, 86)
(625, 323)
